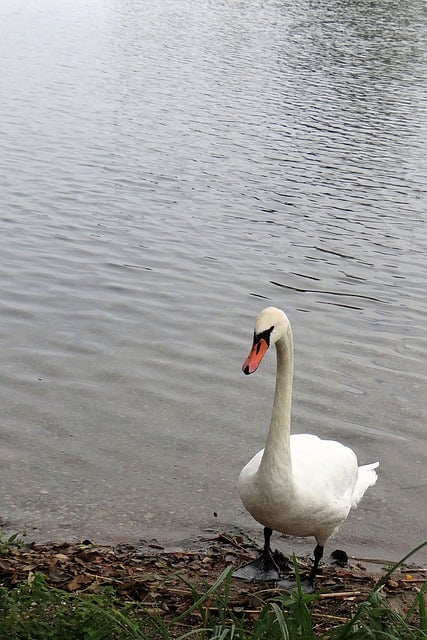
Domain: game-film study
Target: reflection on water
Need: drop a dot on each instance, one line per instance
(168, 170)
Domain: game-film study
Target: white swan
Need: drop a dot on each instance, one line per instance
(298, 485)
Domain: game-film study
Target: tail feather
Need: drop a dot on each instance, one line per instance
(367, 478)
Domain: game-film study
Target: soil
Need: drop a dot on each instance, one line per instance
(163, 579)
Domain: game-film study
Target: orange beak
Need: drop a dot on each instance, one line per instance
(255, 356)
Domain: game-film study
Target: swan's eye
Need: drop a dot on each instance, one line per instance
(264, 335)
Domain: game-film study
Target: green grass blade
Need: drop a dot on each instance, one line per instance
(386, 576)
(218, 582)
(284, 631)
(420, 605)
(422, 610)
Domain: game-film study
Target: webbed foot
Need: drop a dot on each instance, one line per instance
(263, 569)
(307, 586)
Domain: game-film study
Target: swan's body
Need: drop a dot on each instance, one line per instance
(298, 485)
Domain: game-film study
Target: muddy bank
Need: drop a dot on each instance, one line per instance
(160, 578)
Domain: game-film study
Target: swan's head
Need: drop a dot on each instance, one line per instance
(270, 326)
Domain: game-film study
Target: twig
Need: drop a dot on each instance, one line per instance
(103, 578)
(329, 617)
(182, 592)
(409, 580)
(340, 594)
(231, 540)
(372, 560)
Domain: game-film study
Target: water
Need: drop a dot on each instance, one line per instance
(167, 170)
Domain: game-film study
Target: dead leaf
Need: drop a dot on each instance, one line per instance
(78, 582)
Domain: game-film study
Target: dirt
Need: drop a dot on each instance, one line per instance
(163, 579)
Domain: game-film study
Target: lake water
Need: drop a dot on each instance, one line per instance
(167, 170)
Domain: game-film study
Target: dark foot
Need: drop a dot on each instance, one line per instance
(263, 569)
(307, 586)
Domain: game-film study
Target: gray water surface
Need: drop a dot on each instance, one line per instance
(167, 170)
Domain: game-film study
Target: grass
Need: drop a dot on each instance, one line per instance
(14, 540)
(35, 610)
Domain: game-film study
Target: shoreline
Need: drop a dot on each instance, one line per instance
(221, 548)
(159, 577)
(370, 555)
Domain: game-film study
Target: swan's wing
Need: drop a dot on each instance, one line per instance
(316, 500)
(367, 477)
(324, 468)
(251, 467)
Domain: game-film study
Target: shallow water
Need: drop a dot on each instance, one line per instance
(169, 169)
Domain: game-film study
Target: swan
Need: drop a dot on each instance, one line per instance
(299, 485)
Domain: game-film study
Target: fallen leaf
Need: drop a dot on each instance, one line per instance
(79, 581)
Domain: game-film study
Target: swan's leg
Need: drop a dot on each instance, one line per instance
(263, 568)
(318, 554)
(307, 585)
(267, 537)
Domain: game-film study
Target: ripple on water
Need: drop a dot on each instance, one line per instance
(168, 170)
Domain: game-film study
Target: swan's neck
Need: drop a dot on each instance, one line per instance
(277, 454)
